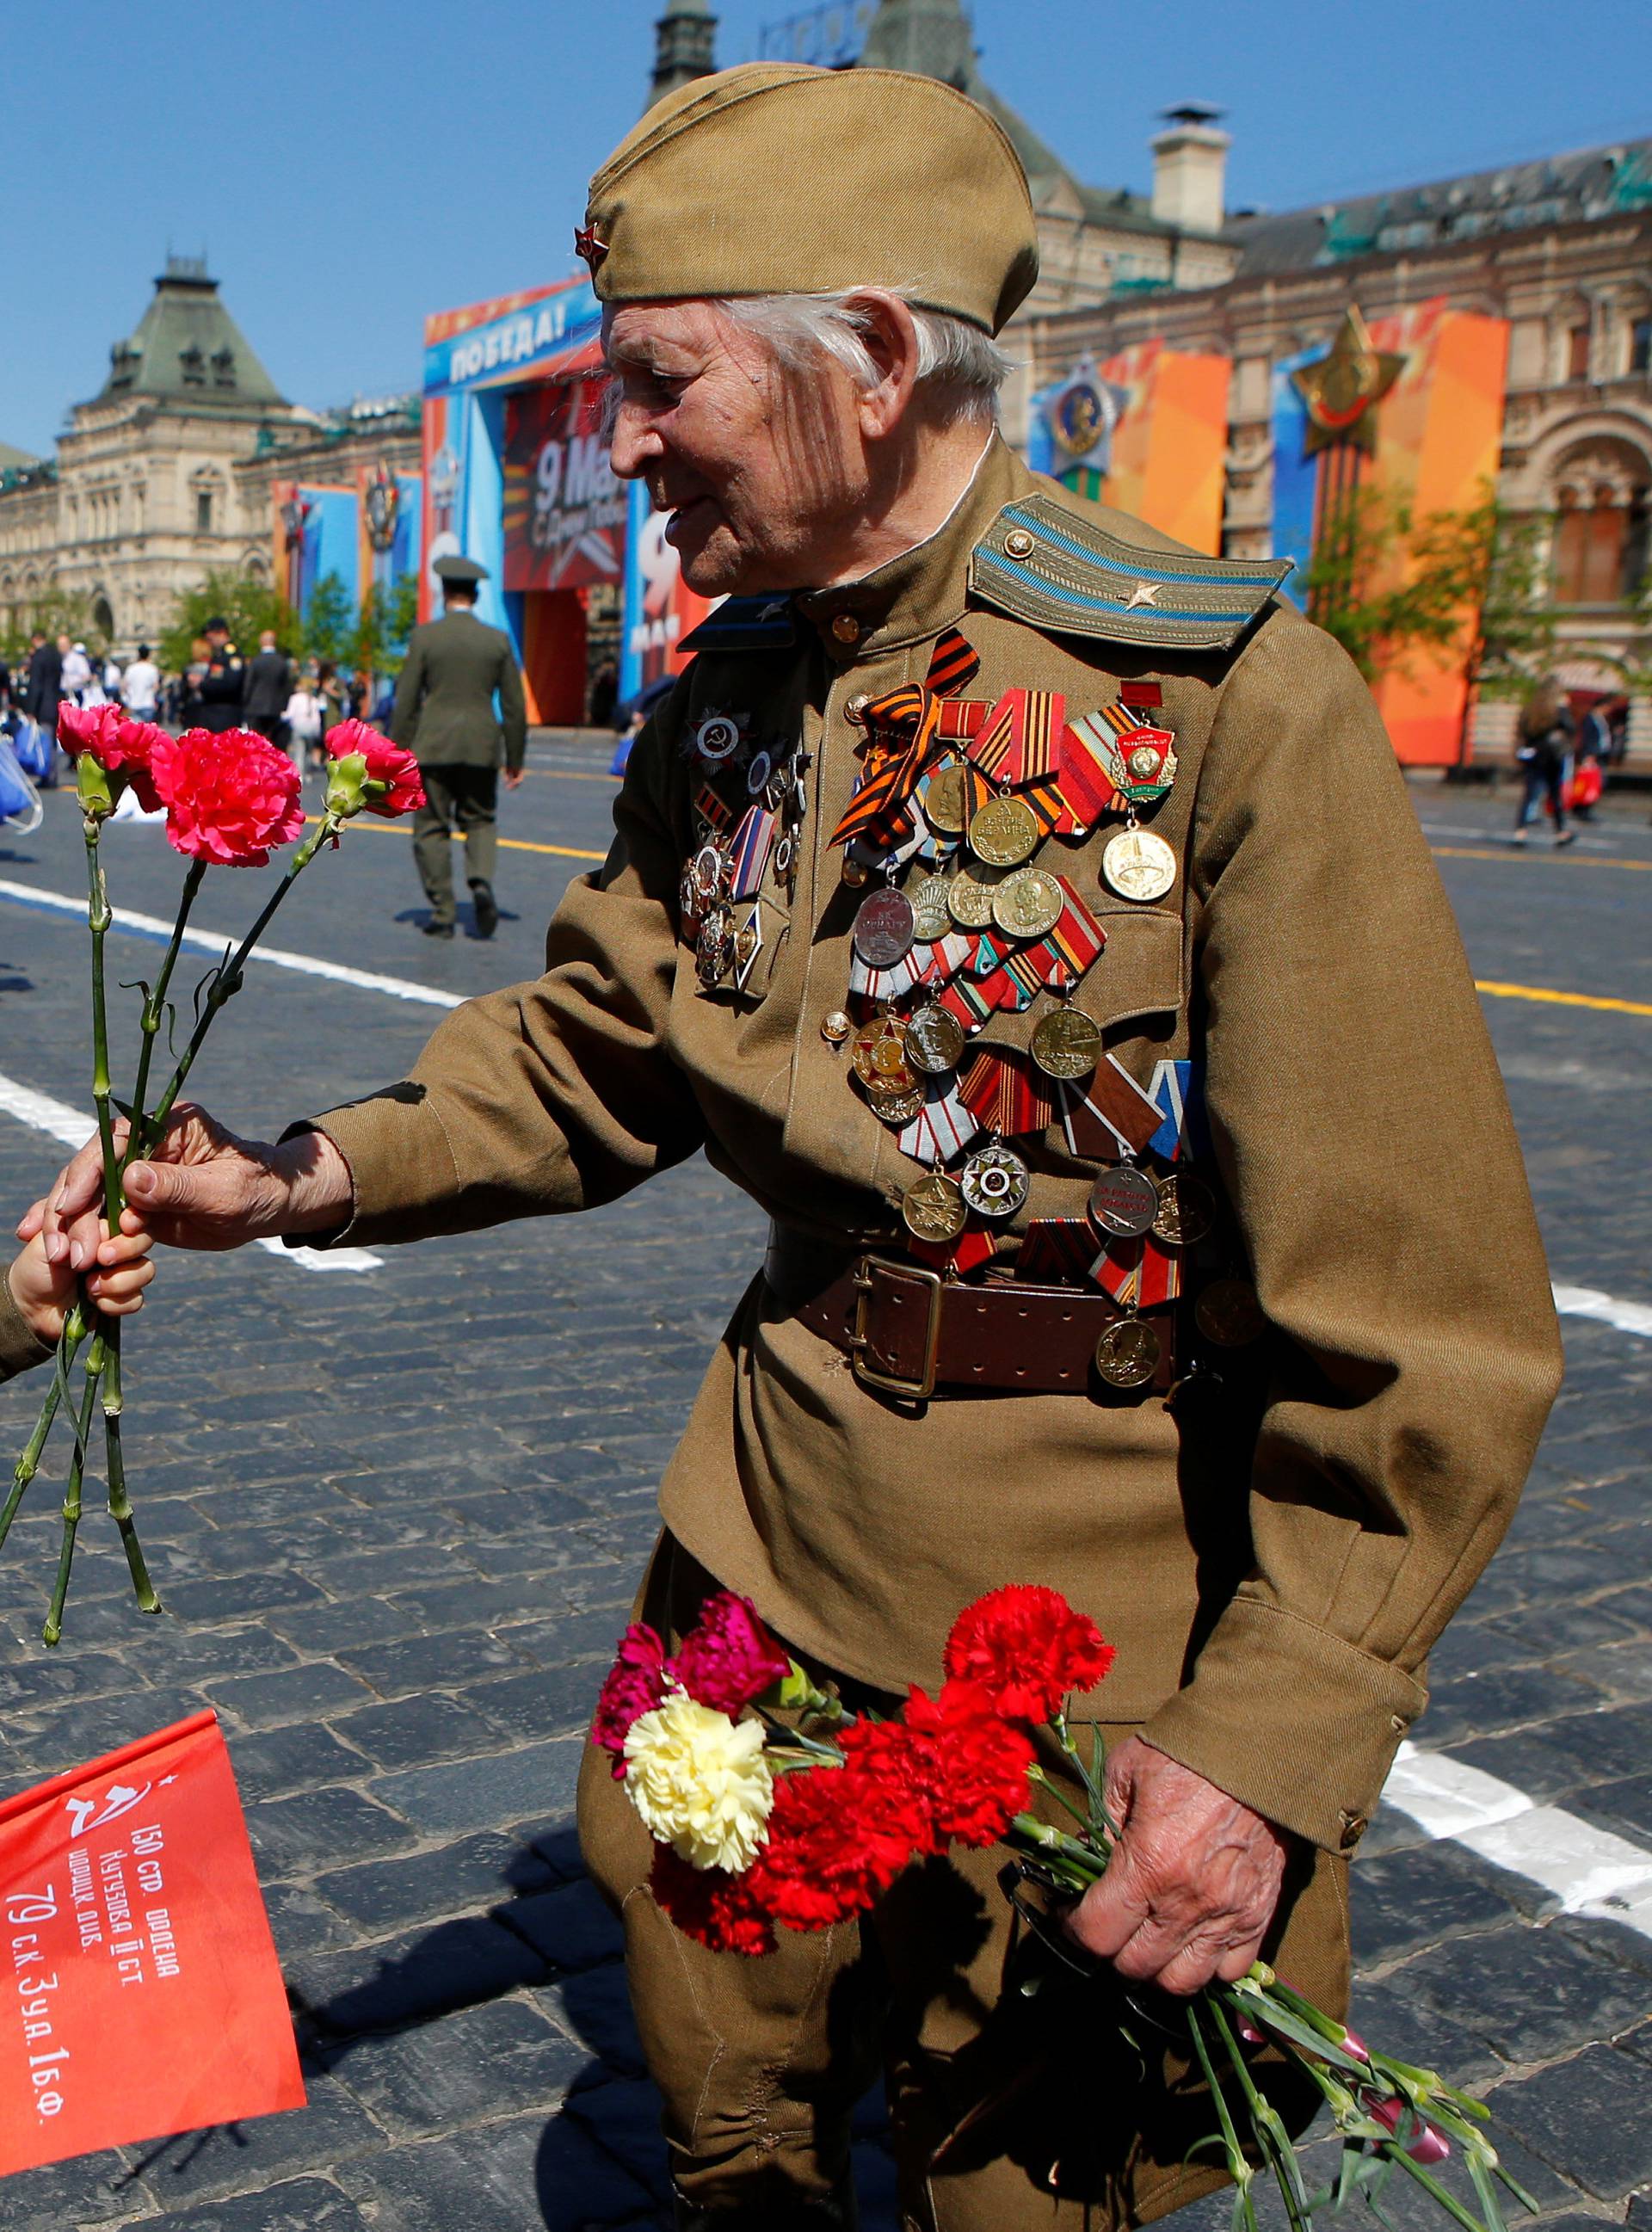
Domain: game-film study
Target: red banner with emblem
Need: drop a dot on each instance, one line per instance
(565, 512)
(142, 1994)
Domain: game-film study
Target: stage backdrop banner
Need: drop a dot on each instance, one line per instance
(1170, 441)
(145, 1995)
(565, 512)
(660, 608)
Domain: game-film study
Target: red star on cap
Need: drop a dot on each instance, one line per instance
(589, 248)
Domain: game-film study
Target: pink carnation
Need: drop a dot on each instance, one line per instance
(730, 1658)
(230, 798)
(635, 1686)
(119, 745)
(387, 763)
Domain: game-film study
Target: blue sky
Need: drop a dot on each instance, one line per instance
(349, 167)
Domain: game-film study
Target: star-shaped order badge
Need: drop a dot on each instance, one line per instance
(1341, 390)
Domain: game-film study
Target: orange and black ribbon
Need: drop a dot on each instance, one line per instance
(901, 729)
(954, 661)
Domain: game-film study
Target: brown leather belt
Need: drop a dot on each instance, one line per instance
(907, 1331)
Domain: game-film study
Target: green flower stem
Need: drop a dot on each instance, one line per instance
(97, 916)
(120, 1501)
(154, 1014)
(28, 1465)
(227, 983)
(53, 1628)
(1037, 1775)
(1238, 2168)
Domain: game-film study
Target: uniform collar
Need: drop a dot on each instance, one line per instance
(925, 589)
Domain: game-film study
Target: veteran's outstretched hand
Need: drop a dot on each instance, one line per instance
(201, 1187)
(1194, 1878)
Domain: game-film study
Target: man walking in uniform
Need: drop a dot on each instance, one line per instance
(445, 715)
(267, 685)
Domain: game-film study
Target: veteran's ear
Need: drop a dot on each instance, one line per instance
(890, 336)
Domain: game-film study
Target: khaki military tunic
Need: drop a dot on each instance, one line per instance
(1272, 1572)
(455, 668)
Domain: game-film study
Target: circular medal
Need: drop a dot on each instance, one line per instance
(717, 737)
(707, 870)
(994, 1182)
(783, 852)
(1067, 1043)
(895, 1107)
(758, 773)
(879, 1056)
(715, 952)
(854, 872)
(946, 802)
(1186, 1212)
(931, 917)
(935, 1039)
(1028, 903)
(1229, 1314)
(883, 928)
(970, 898)
(1144, 762)
(835, 1028)
(1004, 833)
(1138, 865)
(1127, 1355)
(934, 1209)
(1124, 1202)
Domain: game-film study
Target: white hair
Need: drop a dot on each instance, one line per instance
(961, 367)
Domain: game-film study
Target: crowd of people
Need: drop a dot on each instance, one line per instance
(1562, 754)
(293, 701)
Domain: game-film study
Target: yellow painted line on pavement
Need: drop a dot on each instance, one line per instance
(507, 844)
(571, 775)
(1518, 853)
(1563, 999)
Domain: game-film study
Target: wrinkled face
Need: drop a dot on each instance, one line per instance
(759, 469)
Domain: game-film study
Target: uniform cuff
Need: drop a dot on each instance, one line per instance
(401, 1168)
(20, 1345)
(1291, 1721)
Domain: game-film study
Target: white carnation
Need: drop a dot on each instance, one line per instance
(701, 1783)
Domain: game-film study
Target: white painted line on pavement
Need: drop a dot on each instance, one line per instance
(1586, 1302)
(73, 1128)
(214, 941)
(1589, 1871)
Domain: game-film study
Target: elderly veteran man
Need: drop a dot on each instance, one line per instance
(1029, 914)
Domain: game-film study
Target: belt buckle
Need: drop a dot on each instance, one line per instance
(894, 1382)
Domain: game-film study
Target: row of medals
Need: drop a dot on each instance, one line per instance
(724, 945)
(894, 1057)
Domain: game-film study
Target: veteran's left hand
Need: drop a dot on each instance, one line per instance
(1192, 1884)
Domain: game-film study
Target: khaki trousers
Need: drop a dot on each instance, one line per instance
(1066, 2107)
(460, 798)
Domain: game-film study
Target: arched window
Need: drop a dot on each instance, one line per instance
(103, 618)
(1601, 530)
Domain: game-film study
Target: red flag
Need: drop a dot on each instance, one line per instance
(145, 1996)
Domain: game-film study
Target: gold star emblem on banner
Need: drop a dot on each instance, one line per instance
(1340, 389)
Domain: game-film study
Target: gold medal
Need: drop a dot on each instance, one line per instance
(1028, 903)
(970, 897)
(1186, 1212)
(835, 1028)
(854, 872)
(935, 1039)
(1124, 1202)
(1228, 1314)
(946, 802)
(933, 1208)
(1004, 833)
(1067, 1043)
(1138, 865)
(931, 917)
(893, 1104)
(1127, 1355)
(879, 1056)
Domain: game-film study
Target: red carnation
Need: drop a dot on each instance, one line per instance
(636, 1683)
(963, 1765)
(229, 798)
(118, 746)
(403, 789)
(730, 1658)
(716, 1909)
(1027, 1648)
(836, 1841)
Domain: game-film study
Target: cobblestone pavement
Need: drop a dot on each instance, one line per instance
(397, 1517)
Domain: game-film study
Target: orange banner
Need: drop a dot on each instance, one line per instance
(1169, 451)
(145, 1996)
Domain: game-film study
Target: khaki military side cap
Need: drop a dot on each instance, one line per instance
(776, 179)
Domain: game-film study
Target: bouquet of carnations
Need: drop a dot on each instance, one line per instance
(231, 801)
(773, 1806)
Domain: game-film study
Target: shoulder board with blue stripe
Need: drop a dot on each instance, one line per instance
(1045, 565)
(745, 624)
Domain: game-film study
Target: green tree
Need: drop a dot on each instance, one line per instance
(249, 605)
(328, 620)
(387, 621)
(54, 612)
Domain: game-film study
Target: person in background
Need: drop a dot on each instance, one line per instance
(1594, 750)
(336, 704)
(1543, 746)
(605, 689)
(302, 714)
(267, 687)
(214, 701)
(112, 679)
(141, 686)
(42, 693)
(76, 669)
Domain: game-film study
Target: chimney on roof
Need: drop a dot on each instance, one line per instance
(1190, 167)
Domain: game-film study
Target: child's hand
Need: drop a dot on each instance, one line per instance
(43, 1291)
